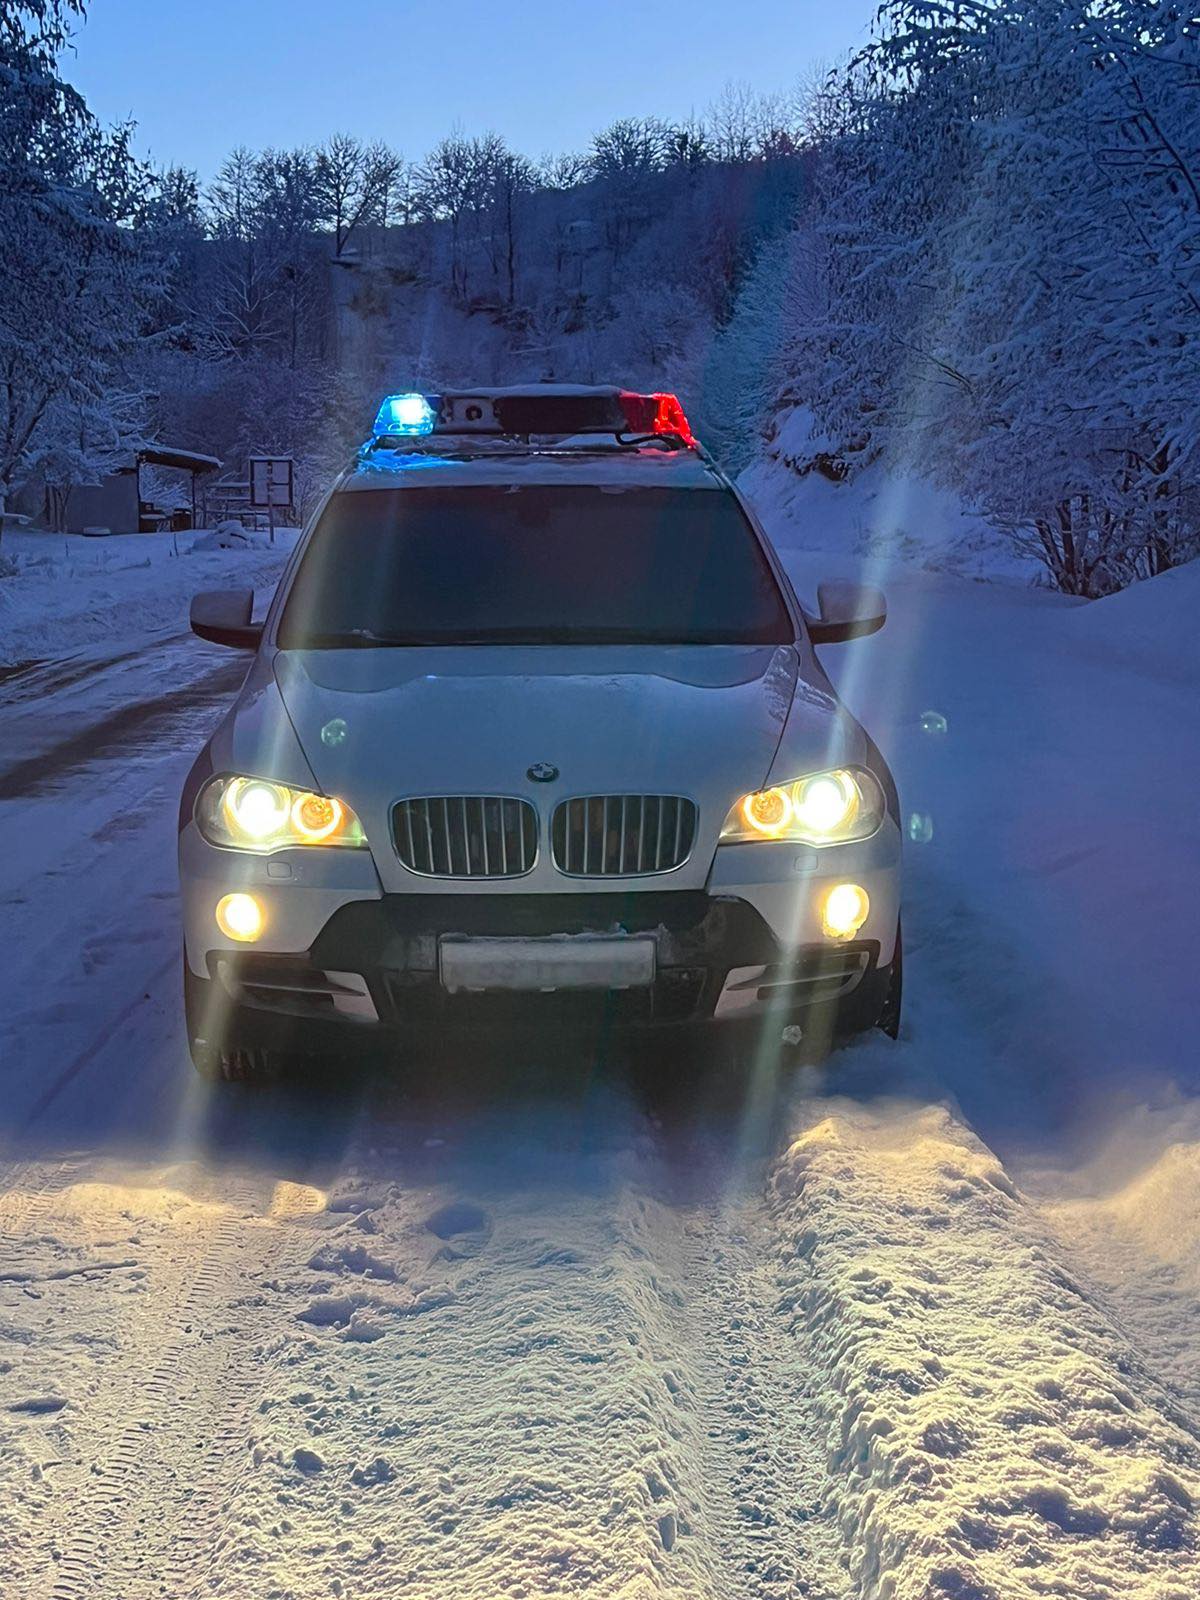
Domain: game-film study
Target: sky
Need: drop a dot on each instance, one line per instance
(199, 79)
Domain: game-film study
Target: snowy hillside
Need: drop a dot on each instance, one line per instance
(883, 515)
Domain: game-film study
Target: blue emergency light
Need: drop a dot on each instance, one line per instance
(407, 415)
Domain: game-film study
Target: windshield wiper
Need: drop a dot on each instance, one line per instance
(592, 633)
(361, 639)
(368, 639)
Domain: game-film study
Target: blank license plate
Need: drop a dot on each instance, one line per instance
(541, 965)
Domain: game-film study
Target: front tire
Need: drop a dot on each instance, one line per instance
(890, 1012)
(216, 1057)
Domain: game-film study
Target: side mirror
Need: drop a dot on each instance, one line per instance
(848, 611)
(222, 616)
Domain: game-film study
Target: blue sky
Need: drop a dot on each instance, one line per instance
(200, 78)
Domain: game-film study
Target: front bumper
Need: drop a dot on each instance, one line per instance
(338, 951)
(379, 964)
(340, 954)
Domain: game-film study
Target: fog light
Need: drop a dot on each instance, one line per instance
(240, 917)
(845, 911)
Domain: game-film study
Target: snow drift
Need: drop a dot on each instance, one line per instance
(990, 1434)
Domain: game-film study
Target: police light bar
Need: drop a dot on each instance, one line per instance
(540, 410)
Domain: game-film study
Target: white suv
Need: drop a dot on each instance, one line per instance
(534, 732)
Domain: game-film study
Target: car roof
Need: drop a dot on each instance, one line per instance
(606, 467)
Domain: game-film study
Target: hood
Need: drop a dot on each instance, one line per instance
(376, 725)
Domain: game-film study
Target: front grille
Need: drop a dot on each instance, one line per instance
(466, 836)
(622, 835)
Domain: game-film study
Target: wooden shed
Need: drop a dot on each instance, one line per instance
(121, 503)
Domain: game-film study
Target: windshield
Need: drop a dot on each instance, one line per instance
(541, 564)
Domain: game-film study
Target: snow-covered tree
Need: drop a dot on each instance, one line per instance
(77, 279)
(748, 360)
(1010, 208)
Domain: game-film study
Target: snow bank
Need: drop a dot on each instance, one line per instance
(1152, 627)
(1131, 1215)
(230, 535)
(1160, 1210)
(874, 515)
(991, 1436)
(65, 592)
(1050, 905)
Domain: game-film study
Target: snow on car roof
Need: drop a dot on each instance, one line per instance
(612, 467)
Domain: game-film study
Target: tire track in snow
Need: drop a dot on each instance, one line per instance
(27, 1187)
(549, 1387)
(492, 1423)
(187, 1374)
(119, 735)
(764, 1462)
(1138, 1246)
(103, 1037)
(37, 680)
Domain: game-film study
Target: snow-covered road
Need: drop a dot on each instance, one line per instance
(918, 1325)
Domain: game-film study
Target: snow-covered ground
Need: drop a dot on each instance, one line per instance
(62, 592)
(921, 1325)
(883, 519)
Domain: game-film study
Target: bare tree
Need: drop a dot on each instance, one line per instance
(564, 171)
(398, 202)
(474, 185)
(446, 184)
(513, 178)
(237, 312)
(288, 210)
(626, 156)
(631, 148)
(353, 181)
(733, 123)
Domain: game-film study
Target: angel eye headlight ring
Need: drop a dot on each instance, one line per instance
(768, 812)
(834, 806)
(258, 814)
(316, 816)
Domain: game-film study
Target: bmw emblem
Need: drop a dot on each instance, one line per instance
(542, 772)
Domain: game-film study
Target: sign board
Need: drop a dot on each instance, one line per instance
(271, 481)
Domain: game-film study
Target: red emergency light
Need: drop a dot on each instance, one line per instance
(656, 413)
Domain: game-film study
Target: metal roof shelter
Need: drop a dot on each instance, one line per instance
(166, 455)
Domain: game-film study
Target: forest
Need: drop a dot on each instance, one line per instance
(972, 251)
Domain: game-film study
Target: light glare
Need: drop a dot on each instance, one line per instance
(826, 803)
(257, 809)
(240, 917)
(407, 414)
(845, 910)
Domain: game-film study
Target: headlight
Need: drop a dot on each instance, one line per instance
(824, 808)
(256, 814)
